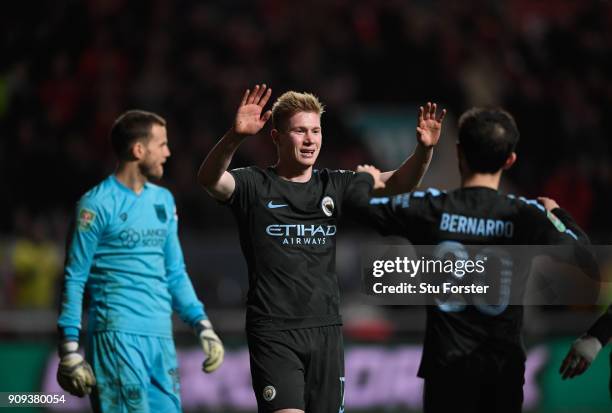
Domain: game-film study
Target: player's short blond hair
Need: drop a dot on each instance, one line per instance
(290, 103)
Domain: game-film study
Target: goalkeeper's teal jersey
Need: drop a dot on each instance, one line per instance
(126, 253)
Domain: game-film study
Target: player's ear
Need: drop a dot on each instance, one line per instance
(138, 150)
(510, 161)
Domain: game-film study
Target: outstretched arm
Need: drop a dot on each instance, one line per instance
(249, 120)
(409, 174)
(585, 349)
(565, 218)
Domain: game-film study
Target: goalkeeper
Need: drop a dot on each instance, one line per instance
(125, 251)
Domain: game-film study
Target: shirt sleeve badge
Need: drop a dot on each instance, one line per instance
(85, 219)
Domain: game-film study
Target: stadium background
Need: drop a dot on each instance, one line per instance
(70, 67)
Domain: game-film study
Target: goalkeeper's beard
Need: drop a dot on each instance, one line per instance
(152, 172)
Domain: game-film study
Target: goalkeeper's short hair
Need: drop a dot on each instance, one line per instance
(130, 127)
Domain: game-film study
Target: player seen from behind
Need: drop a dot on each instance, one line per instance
(473, 358)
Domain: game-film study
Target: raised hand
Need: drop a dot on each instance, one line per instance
(249, 118)
(429, 125)
(372, 170)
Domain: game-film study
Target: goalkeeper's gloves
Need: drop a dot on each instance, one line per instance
(211, 344)
(74, 374)
(581, 355)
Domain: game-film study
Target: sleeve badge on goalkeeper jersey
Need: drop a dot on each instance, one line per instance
(85, 219)
(556, 221)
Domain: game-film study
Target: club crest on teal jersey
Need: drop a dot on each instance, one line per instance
(85, 219)
(160, 210)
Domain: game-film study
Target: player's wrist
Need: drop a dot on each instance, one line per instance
(203, 325)
(588, 347)
(425, 149)
(67, 347)
(602, 339)
(234, 136)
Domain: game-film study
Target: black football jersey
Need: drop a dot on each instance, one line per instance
(288, 237)
(602, 329)
(470, 216)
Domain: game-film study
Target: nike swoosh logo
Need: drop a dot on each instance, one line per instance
(272, 205)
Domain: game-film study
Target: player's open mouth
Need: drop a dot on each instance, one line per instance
(307, 153)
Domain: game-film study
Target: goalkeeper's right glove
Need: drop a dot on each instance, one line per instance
(74, 374)
(581, 355)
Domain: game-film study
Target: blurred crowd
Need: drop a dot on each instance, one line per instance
(71, 67)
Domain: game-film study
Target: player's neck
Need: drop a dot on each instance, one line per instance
(130, 175)
(293, 173)
(482, 180)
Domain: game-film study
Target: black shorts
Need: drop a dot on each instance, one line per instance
(485, 381)
(298, 369)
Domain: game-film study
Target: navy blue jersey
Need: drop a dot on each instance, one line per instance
(288, 237)
(470, 216)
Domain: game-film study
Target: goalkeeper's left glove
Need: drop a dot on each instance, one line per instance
(581, 355)
(211, 344)
(74, 374)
